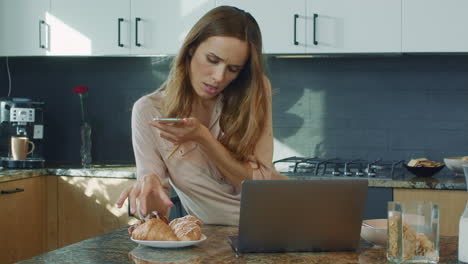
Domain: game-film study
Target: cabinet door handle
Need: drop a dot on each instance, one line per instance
(315, 29)
(12, 191)
(296, 16)
(41, 22)
(136, 32)
(119, 22)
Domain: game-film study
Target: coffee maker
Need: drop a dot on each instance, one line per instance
(21, 117)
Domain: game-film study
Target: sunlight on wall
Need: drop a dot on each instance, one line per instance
(66, 40)
(282, 151)
(317, 103)
(299, 123)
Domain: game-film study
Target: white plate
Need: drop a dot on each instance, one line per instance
(168, 244)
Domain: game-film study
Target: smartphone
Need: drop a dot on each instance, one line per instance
(168, 120)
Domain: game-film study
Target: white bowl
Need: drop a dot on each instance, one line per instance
(455, 164)
(375, 231)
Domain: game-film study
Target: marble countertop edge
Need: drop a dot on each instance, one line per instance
(98, 172)
(129, 172)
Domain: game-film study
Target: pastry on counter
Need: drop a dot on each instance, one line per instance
(189, 218)
(154, 229)
(186, 228)
(158, 228)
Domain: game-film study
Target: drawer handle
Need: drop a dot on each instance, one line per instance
(136, 32)
(119, 22)
(315, 29)
(41, 22)
(12, 191)
(296, 16)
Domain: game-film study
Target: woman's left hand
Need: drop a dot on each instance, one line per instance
(187, 130)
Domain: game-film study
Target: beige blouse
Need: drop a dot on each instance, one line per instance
(200, 186)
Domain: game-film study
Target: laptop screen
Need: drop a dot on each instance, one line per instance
(301, 215)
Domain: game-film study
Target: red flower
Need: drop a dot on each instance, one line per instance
(80, 89)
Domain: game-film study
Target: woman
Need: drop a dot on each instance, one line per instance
(217, 86)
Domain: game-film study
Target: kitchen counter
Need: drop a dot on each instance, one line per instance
(101, 171)
(116, 247)
(407, 181)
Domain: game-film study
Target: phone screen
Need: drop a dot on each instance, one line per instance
(168, 120)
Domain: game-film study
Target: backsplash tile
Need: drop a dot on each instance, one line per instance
(395, 108)
(351, 107)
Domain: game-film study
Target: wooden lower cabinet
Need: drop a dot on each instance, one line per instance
(55, 211)
(87, 207)
(23, 219)
(451, 205)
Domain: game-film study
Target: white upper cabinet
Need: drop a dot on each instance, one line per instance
(122, 27)
(326, 26)
(282, 23)
(153, 27)
(89, 27)
(353, 26)
(160, 26)
(23, 27)
(435, 26)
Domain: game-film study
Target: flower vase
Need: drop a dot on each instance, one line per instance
(85, 149)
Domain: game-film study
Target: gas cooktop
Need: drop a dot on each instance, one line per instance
(337, 167)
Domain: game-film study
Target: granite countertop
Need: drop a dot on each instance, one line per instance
(116, 247)
(101, 171)
(408, 181)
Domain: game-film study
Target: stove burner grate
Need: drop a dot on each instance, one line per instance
(339, 167)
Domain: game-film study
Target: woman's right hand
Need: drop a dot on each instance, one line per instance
(150, 193)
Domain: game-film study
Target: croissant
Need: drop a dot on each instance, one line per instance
(186, 228)
(187, 231)
(158, 228)
(154, 229)
(185, 218)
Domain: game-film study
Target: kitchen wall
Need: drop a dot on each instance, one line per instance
(114, 84)
(391, 107)
(375, 107)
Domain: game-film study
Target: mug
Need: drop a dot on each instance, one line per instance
(19, 147)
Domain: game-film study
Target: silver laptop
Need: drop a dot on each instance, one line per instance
(300, 215)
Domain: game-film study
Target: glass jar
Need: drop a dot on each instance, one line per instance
(413, 232)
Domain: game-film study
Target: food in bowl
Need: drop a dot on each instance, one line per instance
(455, 164)
(423, 162)
(375, 231)
(423, 167)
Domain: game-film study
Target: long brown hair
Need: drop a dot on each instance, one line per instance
(245, 103)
